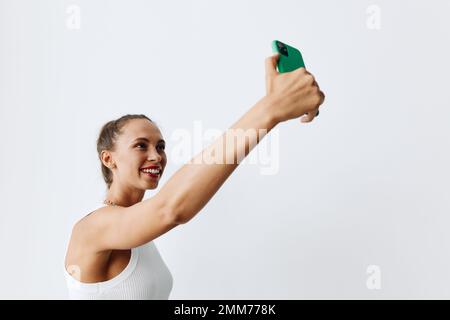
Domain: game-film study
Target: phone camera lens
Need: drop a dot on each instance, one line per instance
(282, 48)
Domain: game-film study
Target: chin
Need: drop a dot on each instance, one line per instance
(153, 186)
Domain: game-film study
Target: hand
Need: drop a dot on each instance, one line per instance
(293, 94)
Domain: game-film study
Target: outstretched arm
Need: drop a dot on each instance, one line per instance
(289, 96)
(194, 184)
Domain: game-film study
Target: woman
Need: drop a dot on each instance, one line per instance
(111, 254)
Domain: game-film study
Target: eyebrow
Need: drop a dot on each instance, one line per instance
(145, 139)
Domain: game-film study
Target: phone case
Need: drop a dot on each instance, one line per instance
(290, 58)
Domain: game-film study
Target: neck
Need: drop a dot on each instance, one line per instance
(124, 197)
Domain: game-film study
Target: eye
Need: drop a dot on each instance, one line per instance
(161, 147)
(142, 144)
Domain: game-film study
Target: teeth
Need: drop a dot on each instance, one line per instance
(154, 171)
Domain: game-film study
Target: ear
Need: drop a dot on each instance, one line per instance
(107, 160)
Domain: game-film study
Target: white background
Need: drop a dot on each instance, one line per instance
(366, 183)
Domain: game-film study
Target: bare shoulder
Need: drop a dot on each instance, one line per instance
(116, 229)
(87, 228)
(82, 260)
(81, 230)
(122, 228)
(94, 216)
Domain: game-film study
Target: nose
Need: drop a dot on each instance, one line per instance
(154, 155)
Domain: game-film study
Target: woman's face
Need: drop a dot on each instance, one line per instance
(139, 146)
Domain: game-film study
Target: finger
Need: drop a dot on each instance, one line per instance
(308, 117)
(322, 97)
(271, 65)
(316, 84)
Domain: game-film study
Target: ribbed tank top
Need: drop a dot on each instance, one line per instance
(146, 277)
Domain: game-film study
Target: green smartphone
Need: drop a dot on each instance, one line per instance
(290, 58)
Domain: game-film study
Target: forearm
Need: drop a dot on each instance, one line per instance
(194, 184)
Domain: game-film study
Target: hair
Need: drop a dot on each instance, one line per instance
(108, 137)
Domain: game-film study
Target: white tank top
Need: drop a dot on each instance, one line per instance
(146, 277)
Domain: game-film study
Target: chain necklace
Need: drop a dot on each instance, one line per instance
(109, 203)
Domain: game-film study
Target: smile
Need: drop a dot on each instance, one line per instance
(154, 173)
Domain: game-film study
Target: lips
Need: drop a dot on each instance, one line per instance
(152, 171)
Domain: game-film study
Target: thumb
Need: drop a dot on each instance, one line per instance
(271, 65)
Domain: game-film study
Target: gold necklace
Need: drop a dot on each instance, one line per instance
(109, 203)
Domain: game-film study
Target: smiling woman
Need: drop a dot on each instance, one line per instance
(114, 138)
(111, 254)
(132, 157)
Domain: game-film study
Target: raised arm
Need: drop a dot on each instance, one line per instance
(288, 96)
